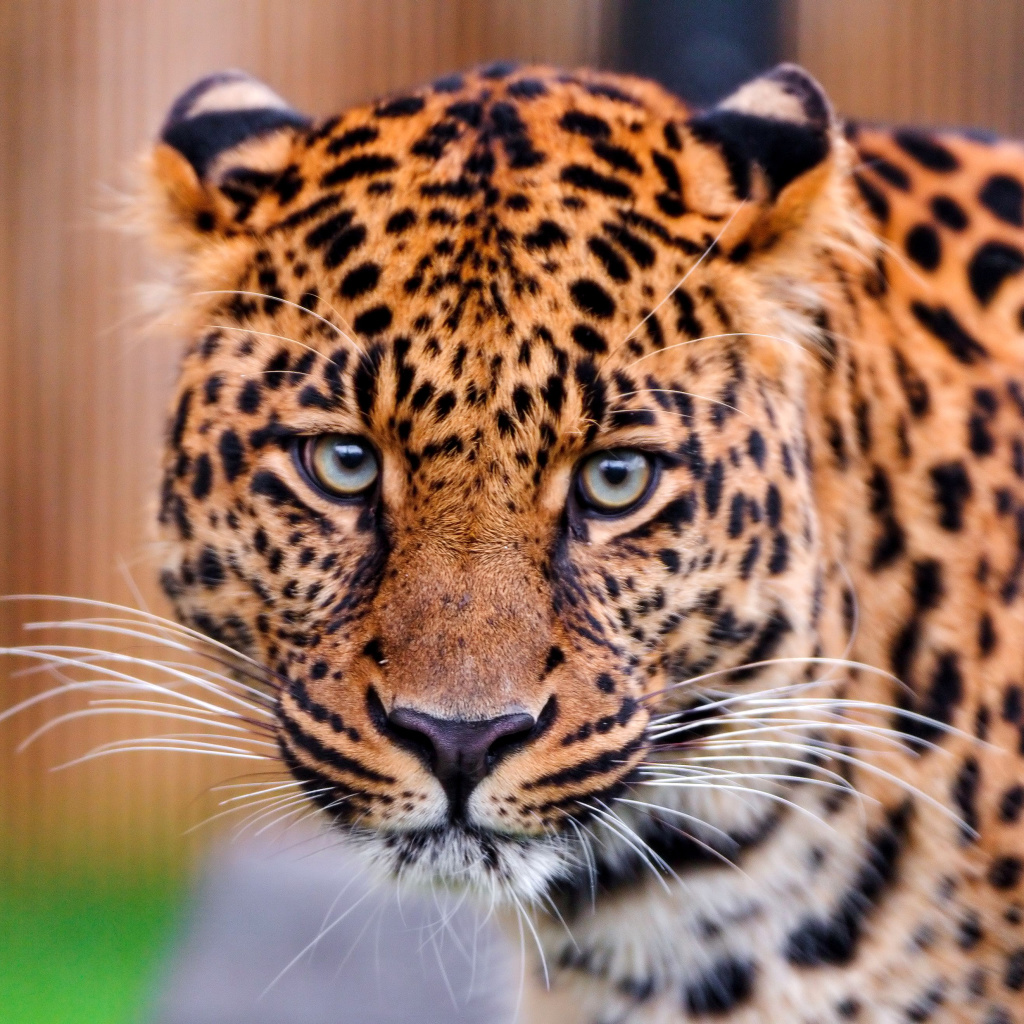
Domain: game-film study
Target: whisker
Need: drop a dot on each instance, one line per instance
(261, 295)
(679, 284)
(838, 662)
(72, 716)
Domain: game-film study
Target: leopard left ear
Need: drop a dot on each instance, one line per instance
(225, 141)
(778, 138)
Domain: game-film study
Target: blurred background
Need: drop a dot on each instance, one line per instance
(101, 918)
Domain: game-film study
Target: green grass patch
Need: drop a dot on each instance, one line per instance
(78, 952)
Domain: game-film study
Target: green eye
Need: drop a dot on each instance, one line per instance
(615, 480)
(341, 464)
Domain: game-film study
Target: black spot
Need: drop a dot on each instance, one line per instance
(618, 157)
(990, 266)
(926, 151)
(614, 264)
(949, 212)
(1011, 804)
(545, 235)
(555, 658)
(344, 245)
(780, 554)
(403, 106)
(364, 166)
(713, 487)
(400, 221)
(737, 510)
(352, 138)
(527, 88)
(941, 323)
(373, 320)
(727, 984)
(498, 69)
(670, 559)
(579, 123)
(605, 683)
(981, 441)
(1013, 979)
(945, 692)
(1005, 872)
(687, 321)
(593, 390)
(588, 179)
(359, 281)
(928, 587)
(591, 298)
(329, 229)
(250, 397)
(876, 201)
(505, 425)
(639, 251)
(202, 477)
(232, 454)
(1003, 196)
(212, 387)
(952, 489)
(756, 447)
(553, 394)
(750, 556)
(965, 796)
(969, 931)
(885, 169)
(522, 400)
(986, 635)
(588, 339)
(442, 407)
(923, 246)
(210, 570)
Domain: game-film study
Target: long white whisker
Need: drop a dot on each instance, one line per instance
(679, 284)
(286, 302)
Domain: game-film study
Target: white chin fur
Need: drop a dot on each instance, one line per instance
(503, 869)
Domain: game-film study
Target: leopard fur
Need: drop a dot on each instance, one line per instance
(775, 770)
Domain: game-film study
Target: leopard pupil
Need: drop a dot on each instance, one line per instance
(349, 456)
(615, 472)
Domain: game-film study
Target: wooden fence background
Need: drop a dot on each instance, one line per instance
(83, 86)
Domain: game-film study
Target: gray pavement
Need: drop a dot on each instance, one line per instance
(387, 961)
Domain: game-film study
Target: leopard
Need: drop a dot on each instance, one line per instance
(619, 508)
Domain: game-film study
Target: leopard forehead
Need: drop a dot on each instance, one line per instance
(502, 262)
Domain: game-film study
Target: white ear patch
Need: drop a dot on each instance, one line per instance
(786, 93)
(221, 112)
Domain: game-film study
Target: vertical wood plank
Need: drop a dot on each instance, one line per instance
(934, 62)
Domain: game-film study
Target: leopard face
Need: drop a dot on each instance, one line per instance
(490, 449)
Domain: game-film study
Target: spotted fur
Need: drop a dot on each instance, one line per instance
(814, 624)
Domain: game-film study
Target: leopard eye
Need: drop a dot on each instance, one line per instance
(613, 481)
(340, 464)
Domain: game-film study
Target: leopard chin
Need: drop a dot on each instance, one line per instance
(497, 868)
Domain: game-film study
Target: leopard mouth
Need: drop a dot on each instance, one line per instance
(463, 857)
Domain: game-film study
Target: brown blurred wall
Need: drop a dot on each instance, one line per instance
(83, 86)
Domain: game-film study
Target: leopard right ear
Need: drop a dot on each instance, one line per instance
(225, 141)
(778, 142)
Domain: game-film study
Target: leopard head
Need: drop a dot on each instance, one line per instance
(489, 447)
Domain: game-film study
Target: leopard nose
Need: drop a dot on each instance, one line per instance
(459, 752)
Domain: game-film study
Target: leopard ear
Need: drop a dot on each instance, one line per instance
(225, 141)
(778, 139)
